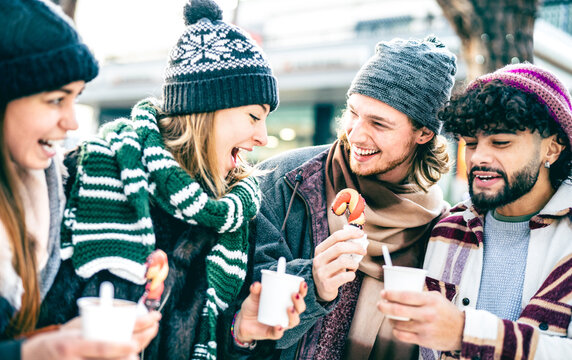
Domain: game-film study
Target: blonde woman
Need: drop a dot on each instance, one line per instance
(172, 177)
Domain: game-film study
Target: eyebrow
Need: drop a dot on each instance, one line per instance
(69, 91)
(264, 107)
(374, 117)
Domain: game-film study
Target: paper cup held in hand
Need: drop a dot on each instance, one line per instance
(276, 297)
(403, 278)
(113, 323)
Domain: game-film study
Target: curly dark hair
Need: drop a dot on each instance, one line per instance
(494, 107)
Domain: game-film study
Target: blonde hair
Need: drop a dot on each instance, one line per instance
(190, 139)
(12, 217)
(430, 162)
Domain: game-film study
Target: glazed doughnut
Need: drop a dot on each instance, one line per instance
(351, 200)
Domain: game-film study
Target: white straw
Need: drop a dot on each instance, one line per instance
(106, 294)
(281, 265)
(386, 256)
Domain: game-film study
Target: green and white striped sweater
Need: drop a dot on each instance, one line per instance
(107, 223)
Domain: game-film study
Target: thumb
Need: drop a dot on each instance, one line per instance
(255, 290)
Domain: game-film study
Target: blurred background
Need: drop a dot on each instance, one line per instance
(315, 48)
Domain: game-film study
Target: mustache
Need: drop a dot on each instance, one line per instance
(487, 169)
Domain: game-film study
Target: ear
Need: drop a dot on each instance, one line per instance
(424, 135)
(553, 149)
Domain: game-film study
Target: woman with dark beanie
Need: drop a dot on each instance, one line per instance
(43, 68)
(172, 177)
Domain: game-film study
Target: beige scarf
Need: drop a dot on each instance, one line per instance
(396, 215)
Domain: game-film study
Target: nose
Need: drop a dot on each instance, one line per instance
(355, 130)
(479, 155)
(260, 134)
(68, 119)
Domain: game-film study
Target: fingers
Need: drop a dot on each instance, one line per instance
(146, 328)
(406, 336)
(275, 332)
(105, 350)
(74, 323)
(411, 298)
(339, 236)
(327, 288)
(255, 290)
(298, 307)
(303, 289)
(250, 305)
(145, 321)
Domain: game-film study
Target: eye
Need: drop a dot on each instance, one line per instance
(255, 118)
(501, 143)
(56, 101)
(470, 143)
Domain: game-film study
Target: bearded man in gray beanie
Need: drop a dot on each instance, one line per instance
(388, 149)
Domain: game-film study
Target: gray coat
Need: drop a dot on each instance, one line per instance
(306, 226)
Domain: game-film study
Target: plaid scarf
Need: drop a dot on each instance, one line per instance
(107, 222)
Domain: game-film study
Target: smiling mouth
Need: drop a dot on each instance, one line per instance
(486, 178)
(48, 145)
(364, 152)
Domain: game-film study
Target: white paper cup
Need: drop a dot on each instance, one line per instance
(363, 241)
(276, 297)
(403, 278)
(107, 323)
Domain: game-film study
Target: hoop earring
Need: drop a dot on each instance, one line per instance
(547, 164)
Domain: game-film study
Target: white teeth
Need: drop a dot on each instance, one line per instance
(364, 152)
(47, 147)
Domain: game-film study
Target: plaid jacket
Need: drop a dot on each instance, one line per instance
(454, 263)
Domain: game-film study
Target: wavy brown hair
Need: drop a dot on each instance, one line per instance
(12, 217)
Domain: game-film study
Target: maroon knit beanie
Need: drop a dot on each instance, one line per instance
(548, 89)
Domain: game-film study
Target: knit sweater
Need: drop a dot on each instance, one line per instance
(505, 245)
(454, 261)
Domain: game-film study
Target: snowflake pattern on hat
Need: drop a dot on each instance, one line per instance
(215, 65)
(213, 46)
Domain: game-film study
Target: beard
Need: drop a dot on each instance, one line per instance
(519, 185)
(381, 167)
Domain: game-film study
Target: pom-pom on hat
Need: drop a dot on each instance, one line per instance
(532, 79)
(39, 50)
(412, 76)
(215, 65)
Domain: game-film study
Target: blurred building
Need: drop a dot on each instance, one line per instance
(316, 47)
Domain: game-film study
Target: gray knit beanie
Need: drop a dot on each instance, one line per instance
(215, 65)
(414, 77)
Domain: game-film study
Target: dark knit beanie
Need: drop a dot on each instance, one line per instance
(215, 65)
(414, 77)
(39, 50)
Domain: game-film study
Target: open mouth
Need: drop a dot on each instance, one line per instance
(47, 145)
(234, 155)
(364, 152)
(486, 178)
(482, 177)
